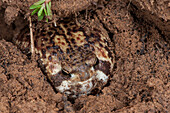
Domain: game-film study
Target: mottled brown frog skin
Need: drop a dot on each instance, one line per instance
(76, 60)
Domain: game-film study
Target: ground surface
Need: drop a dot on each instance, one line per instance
(140, 81)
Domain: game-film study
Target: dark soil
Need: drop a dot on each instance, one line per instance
(141, 79)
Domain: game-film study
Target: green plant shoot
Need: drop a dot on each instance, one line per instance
(42, 8)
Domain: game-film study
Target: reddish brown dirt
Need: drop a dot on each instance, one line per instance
(140, 81)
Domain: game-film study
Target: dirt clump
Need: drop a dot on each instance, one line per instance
(23, 86)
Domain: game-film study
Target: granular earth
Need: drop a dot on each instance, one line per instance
(140, 32)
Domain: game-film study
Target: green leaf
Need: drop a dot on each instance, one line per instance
(45, 11)
(40, 11)
(35, 6)
(39, 2)
(41, 17)
(34, 11)
(49, 4)
(48, 9)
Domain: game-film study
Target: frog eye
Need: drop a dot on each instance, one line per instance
(91, 60)
(65, 72)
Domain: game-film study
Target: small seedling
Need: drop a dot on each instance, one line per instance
(42, 8)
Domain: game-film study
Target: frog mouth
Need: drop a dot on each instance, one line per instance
(78, 88)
